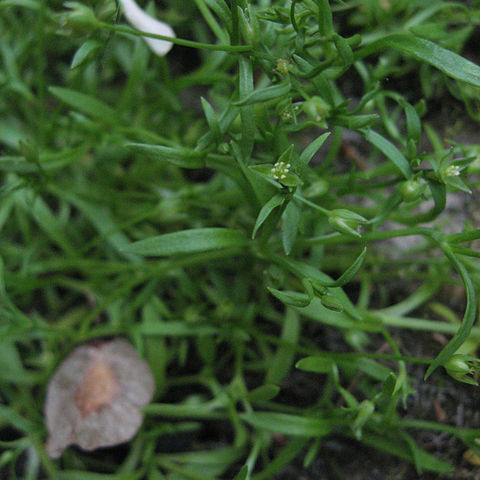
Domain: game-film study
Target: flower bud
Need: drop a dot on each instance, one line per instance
(457, 366)
(80, 17)
(316, 189)
(317, 109)
(331, 303)
(346, 221)
(412, 189)
(364, 411)
(282, 66)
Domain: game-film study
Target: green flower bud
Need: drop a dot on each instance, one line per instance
(282, 66)
(364, 412)
(357, 339)
(346, 221)
(317, 109)
(412, 189)
(224, 148)
(332, 303)
(316, 189)
(106, 10)
(457, 366)
(81, 17)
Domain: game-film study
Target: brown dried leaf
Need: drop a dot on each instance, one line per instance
(94, 398)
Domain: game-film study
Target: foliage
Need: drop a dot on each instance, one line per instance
(202, 206)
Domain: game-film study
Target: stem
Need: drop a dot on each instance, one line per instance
(421, 324)
(176, 41)
(312, 205)
(334, 238)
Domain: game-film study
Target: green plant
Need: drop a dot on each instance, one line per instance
(196, 203)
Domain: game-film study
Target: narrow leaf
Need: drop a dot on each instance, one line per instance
(284, 357)
(315, 364)
(390, 151)
(264, 94)
(288, 297)
(469, 316)
(349, 273)
(288, 424)
(85, 103)
(188, 241)
(446, 61)
(266, 210)
(182, 157)
(290, 221)
(313, 148)
(85, 52)
(263, 393)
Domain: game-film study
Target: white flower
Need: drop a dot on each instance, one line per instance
(145, 23)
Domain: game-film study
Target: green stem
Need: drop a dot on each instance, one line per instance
(420, 324)
(176, 41)
(312, 205)
(335, 238)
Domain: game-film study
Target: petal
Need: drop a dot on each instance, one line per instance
(141, 21)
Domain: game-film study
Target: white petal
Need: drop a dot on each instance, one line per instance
(141, 21)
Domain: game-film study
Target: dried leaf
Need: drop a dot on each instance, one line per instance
(94, 398)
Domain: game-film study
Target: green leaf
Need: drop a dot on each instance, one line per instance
(35, 206)
(32, 4)
(242, 474)
(266, 210)
(398, 448)
(469, 316)
(288, 297)
(85, 103)
(85, 52)
(188, 241)
(315, 364)
(313, 148)
(16, 420)
(179, 156)
(283, 458)
(263, 393)
(389, 384)
(288, 424)
(316, 310)
(325, 19)
(446, 61)
(47, 162)
(84, 475)
(264, 94)
(290, 221)
(390, 151)
(284, 357)
(173, 329)
(344, 50)
(349, 273)
(354, 122)
(103, 221)
(221, 9)
(212, 119)
(247, 113)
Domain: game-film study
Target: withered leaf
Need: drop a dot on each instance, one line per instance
(94, 398)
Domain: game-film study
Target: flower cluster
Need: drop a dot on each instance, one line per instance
(280, 170)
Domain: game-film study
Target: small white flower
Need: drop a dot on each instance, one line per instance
(280, 170)
(141, 21)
